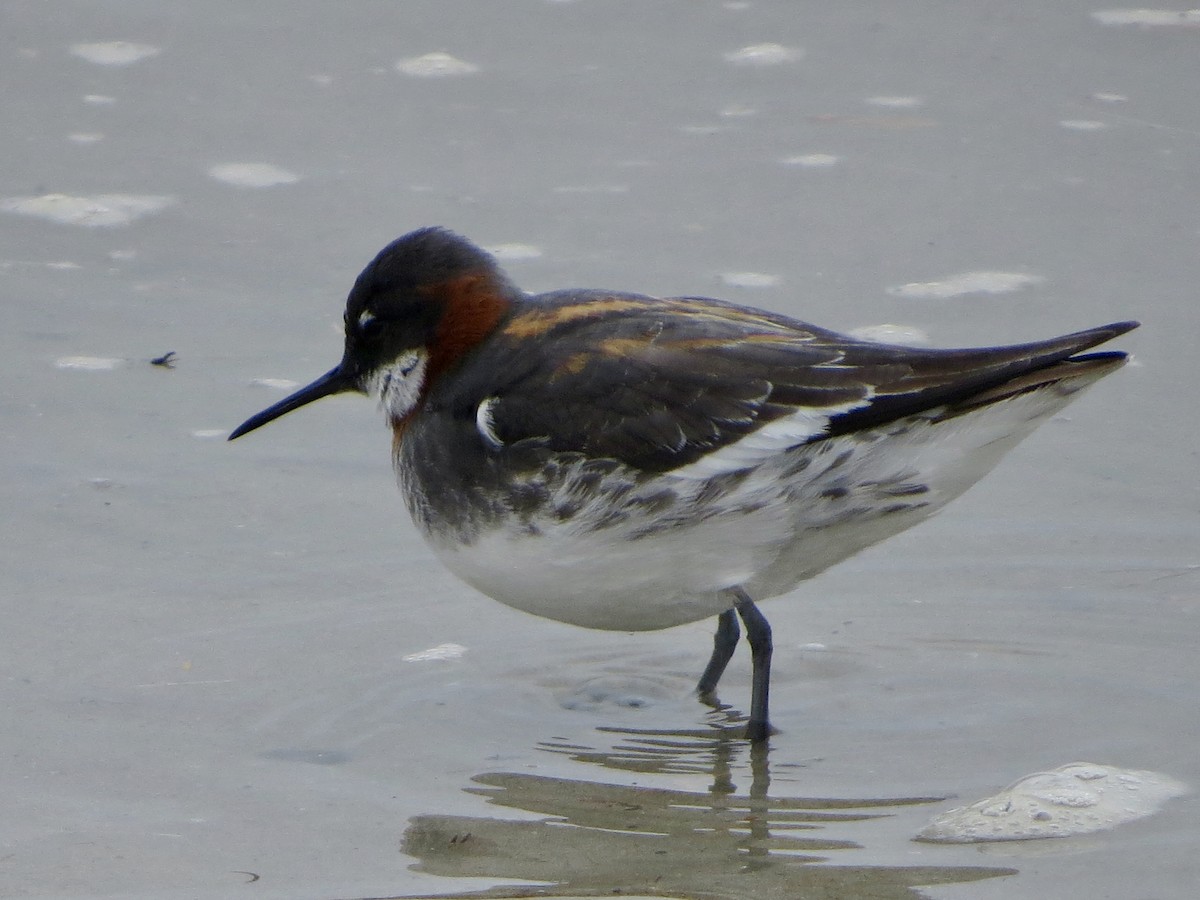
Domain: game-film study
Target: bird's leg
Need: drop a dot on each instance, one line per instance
(724, 643)
(758, 633)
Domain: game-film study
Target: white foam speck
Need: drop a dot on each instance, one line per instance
(967, 283)
(763, 55)
(812, 160)
(1083, 124)
(896, 102)
(1109, 97)
(738, 111)
(1079, 798)
(254, 175)
(90, 137)
(278, 384)
(440, 652)
(514, 252)
(99, 99)
(321, 80)
(435, 65)
(906, 335)
(88, 363)
(1148, 17)
(114, 53)
(750, 279)
(592, 189)
(94, 212)
(208, 434)
(63, 265)
(122, 255)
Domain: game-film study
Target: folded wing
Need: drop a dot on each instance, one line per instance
(667, 384)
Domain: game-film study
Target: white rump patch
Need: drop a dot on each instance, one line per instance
(399, 384)
(485, 425)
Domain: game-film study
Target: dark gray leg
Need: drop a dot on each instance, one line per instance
(724, 643)
(758, 633)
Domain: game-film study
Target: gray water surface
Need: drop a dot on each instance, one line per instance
(234, 670)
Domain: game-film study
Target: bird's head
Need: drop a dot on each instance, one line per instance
(416, 310)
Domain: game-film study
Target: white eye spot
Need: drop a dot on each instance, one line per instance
(365, 318)
(400, 384)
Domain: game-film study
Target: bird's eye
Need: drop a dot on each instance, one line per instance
(368, 325)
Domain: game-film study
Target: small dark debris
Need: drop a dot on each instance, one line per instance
(167, 360)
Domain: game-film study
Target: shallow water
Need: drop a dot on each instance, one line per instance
(235, 668)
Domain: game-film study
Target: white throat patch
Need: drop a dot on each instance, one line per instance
(398, 384)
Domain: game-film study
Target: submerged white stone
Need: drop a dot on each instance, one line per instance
(114, 53)
(750, 279)
(1078, 798)
(887, 333)
(1148, 17)
(88, 363)
(896, 102)
(967, 283)
(279, 384)
(435, 65)
(811, 160)
(514, 252)
(591, 189)
(768, 54)
(440, 652)
(256, 175)
(100, 211)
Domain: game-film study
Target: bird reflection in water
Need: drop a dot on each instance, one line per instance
(599, 839)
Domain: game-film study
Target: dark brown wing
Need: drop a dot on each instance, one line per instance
(659, 384)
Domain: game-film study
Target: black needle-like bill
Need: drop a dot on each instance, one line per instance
(335, 381)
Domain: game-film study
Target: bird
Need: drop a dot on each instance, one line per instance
(627, 462)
